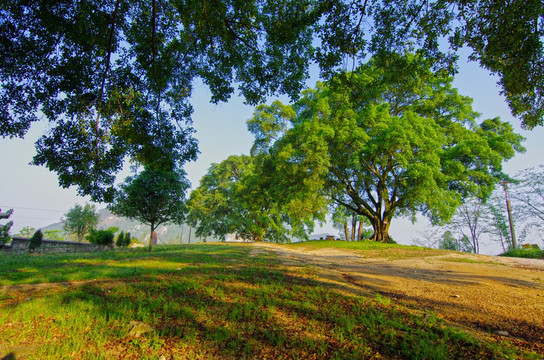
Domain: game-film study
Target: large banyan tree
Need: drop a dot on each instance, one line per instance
(392, 138)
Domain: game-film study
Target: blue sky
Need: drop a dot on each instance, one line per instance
(37, 199)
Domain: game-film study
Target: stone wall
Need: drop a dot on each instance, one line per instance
(20, 245)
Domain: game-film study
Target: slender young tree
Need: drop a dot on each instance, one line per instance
(497, 224)
(79, 220)
(470, 222)
(528, 202)
(153, 197)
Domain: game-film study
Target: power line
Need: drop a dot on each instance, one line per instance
(15, 216)
(25, 208)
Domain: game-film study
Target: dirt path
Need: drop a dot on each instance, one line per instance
(489, 296)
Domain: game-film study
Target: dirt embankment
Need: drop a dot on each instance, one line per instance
(489, 296)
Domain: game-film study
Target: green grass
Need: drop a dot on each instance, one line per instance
(31, 269)
(353, 245)
(371, 248)
(207, 302)
(470, 261)
(525, 253)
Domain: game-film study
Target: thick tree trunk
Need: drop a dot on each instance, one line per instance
(353, 227)
(360, 231)
(381, 230)
(346, 231)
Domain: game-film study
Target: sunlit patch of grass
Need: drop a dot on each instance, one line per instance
(201, 306)
(525, 253)
(470, 261)
(372, 249)
(341, 244)
(27, 269)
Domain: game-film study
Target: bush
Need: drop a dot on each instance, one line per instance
(525, 253)
(120, 240)
(53, 235)
(123, 239)
(35, 241)
(127, 239)
(101, 237)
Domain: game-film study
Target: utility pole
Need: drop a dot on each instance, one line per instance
(509, 210)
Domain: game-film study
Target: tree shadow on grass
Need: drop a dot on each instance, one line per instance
(372, 279)
(204, 305)
(56, 268)
(251, 311)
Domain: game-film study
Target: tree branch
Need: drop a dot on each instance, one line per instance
(108, 58)
(154, 44)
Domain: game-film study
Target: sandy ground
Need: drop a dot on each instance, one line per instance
(491, 297)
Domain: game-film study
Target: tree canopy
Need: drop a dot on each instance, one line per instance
(390, 139)
(233, 198)
(104, 71)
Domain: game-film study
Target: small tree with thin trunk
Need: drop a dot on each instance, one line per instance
(153, 197)
(470, 221)
(497, 226)
(79, 220)
(528, 201)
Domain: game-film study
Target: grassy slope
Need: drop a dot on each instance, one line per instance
(208, 301)
(525, 253)
(371, 249)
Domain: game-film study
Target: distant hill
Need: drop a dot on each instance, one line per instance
(168, 234)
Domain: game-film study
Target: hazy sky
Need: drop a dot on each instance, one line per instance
(37, 200)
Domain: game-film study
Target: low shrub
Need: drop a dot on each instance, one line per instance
(127, 239)
(123, 239)
(35, 241)
(120, 240)
(101, 237)
(525, 253)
